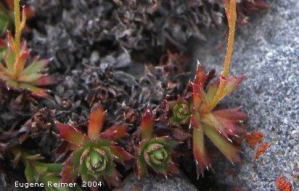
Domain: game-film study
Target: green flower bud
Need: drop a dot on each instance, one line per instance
(181, 111)
(95, 161)
(156, 153)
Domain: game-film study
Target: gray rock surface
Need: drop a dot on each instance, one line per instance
(267, 50)
(131, 183)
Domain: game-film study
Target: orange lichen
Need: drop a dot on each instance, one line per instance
(263, 147)
(254, 138)
(282, 184)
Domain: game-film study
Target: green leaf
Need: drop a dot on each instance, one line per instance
(4, 70)
(101, 142)
(84, 173)
(110, 169)
(30, 173)
(52, 167)
(9, 58)
(141, 166)
(212, 90)
(108, 153)
(10, 83)
(29, 77)
(160, 168)
(212, 121)
(36, 66)
(76, 156)
(35, 90)
(226, 148)
(199, 151)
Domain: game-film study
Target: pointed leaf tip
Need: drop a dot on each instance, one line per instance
(225, 147)
(39, 92)
(226, 86)
(116, 132)
(199, 151)
(36, 66)
(96, 121)
(70, 133)
(11, 42)
(121, 154)
(231, 114)
(147, 124)
(200, 76)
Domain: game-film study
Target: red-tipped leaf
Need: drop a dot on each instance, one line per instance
(199, 151)
(230, 84)
(11, 42)
(45, 80)
(39, 92)
(116, 132)
(225, 147)
(231, 114)
(212, 121)
(9, 59)
(232, 127)
(147, 124)
(20, 63)
(96, 121)
(200, 77)
(30, 78)
(70, 133)
(121, 154)
(141, 167)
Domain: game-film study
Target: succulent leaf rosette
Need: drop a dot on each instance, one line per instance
(181, 111)
(217, 124)
(154, 152)
(16, 71)
(95, 153)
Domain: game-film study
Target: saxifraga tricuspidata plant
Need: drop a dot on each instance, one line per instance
(218, 124)
(16, 71)
(93, 154)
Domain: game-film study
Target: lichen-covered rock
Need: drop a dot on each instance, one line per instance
(267, 50)
(156, 184)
